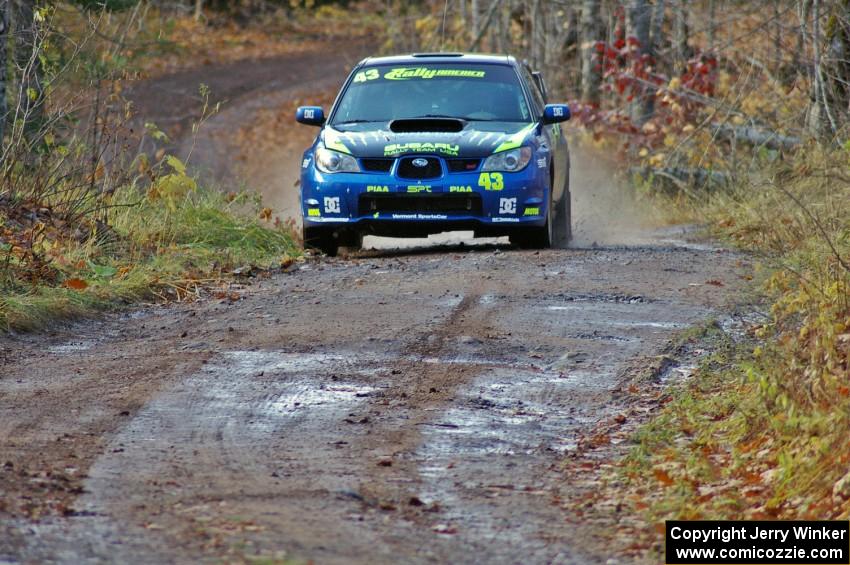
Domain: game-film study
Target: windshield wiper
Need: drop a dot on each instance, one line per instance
(350, 122)
(435, 116)
(462, 118)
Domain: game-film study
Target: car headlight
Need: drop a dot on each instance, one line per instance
(329, 161)
(508, 161)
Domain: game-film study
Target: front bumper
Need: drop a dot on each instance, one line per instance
(383, 203)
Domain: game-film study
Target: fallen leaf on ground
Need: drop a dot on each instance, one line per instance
(663, 477)
(76, 284)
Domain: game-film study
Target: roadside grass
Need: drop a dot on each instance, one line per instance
(153, 249)
(760, 430)
(86, 223)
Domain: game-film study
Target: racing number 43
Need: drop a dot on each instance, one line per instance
(491, 181)
(363, 76)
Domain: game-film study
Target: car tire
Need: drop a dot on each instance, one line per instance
(352, 241)
(539, 237)
(322, 239)
(562, 221)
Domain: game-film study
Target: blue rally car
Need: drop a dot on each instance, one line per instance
(428, 143)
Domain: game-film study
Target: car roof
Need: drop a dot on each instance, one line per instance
(443, 58)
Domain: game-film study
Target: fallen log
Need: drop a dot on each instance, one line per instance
(755, 136)
(683, 178)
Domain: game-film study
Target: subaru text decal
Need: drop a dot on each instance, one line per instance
(426, 147)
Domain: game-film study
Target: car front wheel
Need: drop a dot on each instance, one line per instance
(562, 221)
(322, 239)
(538, 237)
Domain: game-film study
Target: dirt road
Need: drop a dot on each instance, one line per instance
(400, 406)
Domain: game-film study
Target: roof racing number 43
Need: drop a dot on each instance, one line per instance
(369, 74)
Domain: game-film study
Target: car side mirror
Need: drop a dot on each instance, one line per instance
(555, 113)
(310, 115)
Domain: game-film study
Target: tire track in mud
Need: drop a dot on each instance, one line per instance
(427, 380)
(441, 416)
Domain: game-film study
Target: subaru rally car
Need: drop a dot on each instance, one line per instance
(428, 143)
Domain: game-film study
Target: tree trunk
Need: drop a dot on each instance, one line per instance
(777, 37)
(473, 9)
(712, 23)
(656, 27)
(571, 38)
(552, 26)
(28, 63)
(828, 113)
(536, 35)
(639, 27)
(199, 10)
(639, 22)
(4, 38)
(476, 40)
(591, 63)
(681, 51)
(505, 28)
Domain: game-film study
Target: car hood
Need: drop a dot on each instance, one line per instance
(470, 142)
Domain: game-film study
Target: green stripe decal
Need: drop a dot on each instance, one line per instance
(516, 139)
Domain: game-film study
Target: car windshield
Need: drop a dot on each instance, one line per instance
(471, 92)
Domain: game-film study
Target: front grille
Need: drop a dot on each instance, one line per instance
(407, 170)
(377, 165)
(466, 204)
(463, 165)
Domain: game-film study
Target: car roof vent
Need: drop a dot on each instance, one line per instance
(415, 125)
(438, 54)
